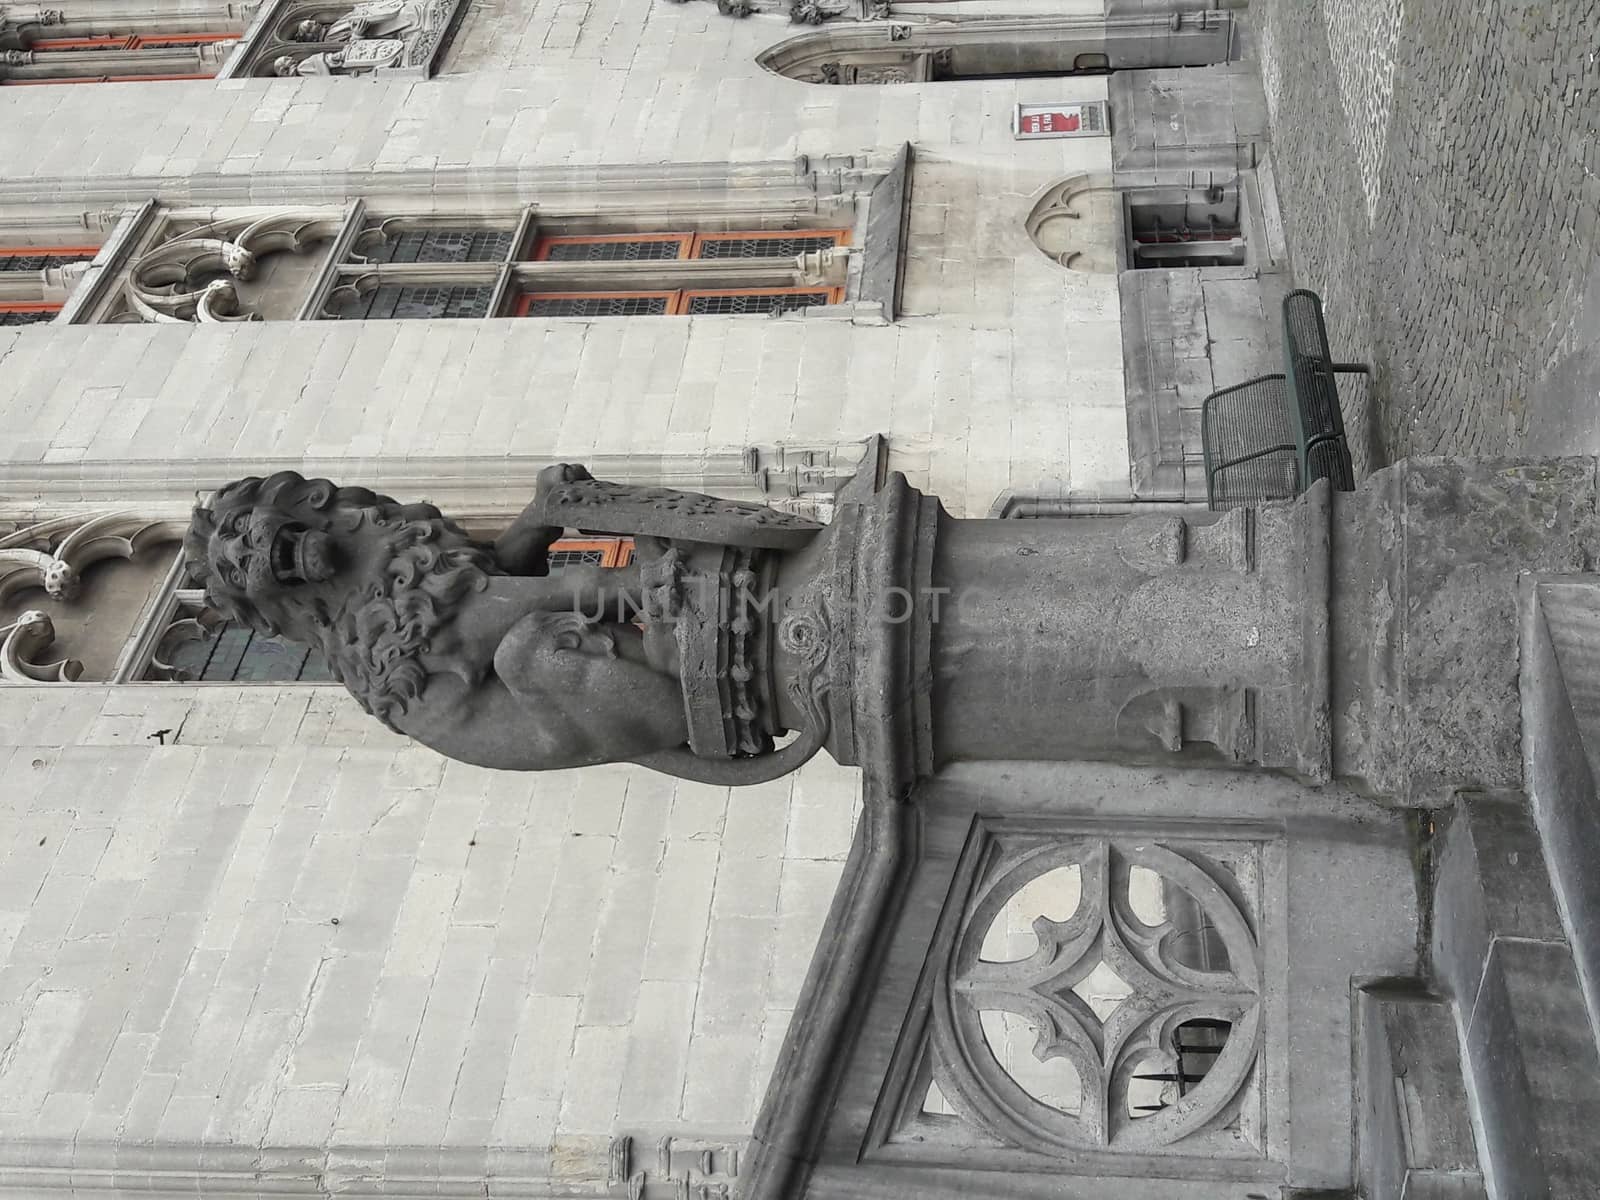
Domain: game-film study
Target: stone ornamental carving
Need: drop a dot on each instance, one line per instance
(739, 626)
(803, 12)
(480, 652)
(1134, 1038)
(54, 555)
(194, 277)
(683, 1168)
(374, 37)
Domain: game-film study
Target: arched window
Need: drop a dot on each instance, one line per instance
(1009, 48)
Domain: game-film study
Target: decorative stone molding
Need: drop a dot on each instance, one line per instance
(685, 1168)
(178, 281)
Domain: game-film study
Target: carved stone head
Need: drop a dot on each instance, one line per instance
(363, 577)
(310, 31)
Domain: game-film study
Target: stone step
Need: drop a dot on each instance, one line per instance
(1413, 1129)
(1529, 1058)
(1561, 752)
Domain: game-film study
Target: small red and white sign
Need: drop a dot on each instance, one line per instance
(1087, 119)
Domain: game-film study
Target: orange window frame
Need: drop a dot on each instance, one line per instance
(47, 251)
(678, 300)
(543, 246)
(615, 552)
(28, 306)
(131, 41)
(835, 294)
(102, 79)
(841, 236)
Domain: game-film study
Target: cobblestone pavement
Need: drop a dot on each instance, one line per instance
(1438, 164)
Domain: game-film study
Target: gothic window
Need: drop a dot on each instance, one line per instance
(934, 50)
(1174, 227)
(36, 279)
(76, 45)
(350, 263)
(741, 271)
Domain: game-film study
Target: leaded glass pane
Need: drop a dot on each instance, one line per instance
(751, 302)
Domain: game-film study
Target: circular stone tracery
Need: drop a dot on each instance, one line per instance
(1134, 1031)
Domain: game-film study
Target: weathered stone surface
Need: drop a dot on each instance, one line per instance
(1534, 1073)
(1427, 557)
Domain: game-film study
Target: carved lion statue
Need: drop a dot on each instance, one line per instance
(474, 649)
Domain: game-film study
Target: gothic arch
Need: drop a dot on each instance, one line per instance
(918, 52)
(1075, 223)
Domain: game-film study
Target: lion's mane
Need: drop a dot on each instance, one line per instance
(375, 635)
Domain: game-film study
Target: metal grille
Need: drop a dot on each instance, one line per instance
(26, 318)
(596, 250)
(535, 305)
(411, 302)
(1249, 445)
(443, 245)
(765, 247)
(236, 654)
(734, 303)
(38, 262)
(588, 557)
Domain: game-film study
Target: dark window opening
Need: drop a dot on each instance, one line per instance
(1185, 227)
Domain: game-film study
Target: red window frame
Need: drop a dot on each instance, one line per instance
(28, 306)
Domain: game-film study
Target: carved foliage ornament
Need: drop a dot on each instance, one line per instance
(53, 555)
(801, 12)
(1114, 1053)
(192, 276)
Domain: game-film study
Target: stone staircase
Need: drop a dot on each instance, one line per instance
(1484, 1080)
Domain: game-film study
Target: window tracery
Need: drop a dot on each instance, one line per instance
(350, 263)
(1090, 994)
(86, 44)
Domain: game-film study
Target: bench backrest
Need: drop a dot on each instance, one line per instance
(1308, 366)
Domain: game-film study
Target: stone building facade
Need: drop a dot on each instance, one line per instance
(250, 942)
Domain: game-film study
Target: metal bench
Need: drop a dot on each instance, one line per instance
(1314, 394)
(1271, 437)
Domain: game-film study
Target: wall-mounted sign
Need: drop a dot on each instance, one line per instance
(1086, 119)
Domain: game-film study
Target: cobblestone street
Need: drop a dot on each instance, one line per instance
(1439, 171)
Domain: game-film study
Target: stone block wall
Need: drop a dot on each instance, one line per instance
(278, 933)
